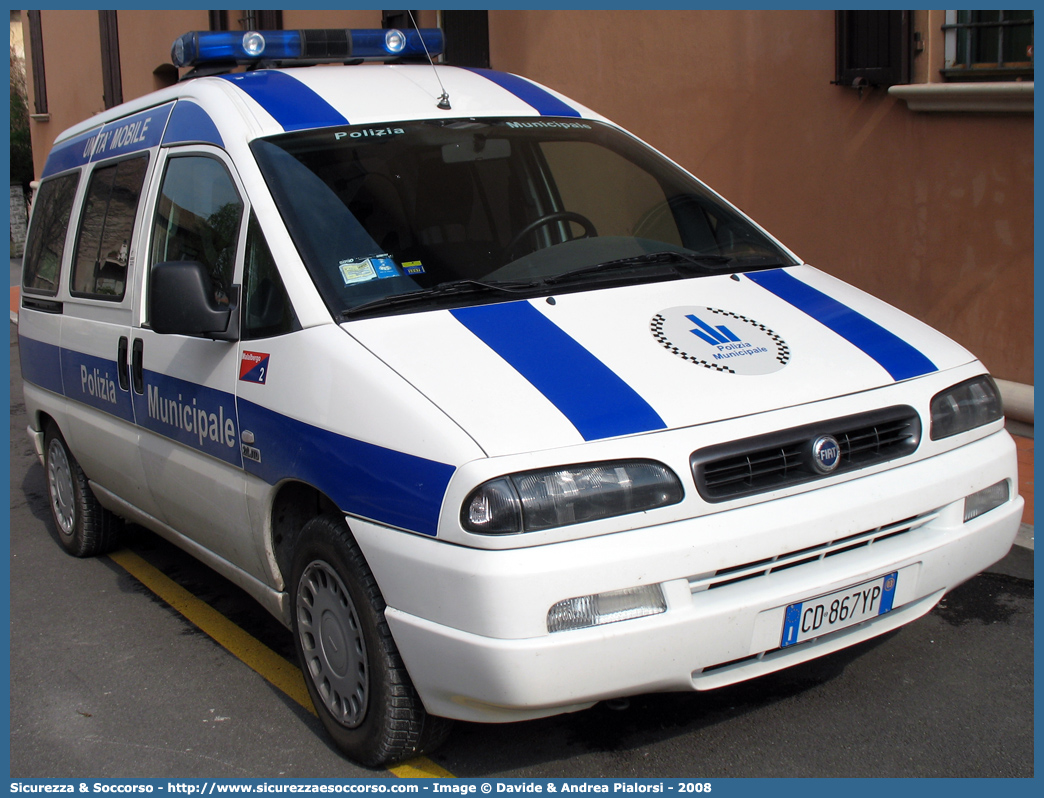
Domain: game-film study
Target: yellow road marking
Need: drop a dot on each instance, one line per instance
(420, 768)
(257, 656)
(281, 674)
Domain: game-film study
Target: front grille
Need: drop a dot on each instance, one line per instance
(785, 458)
(724, 577)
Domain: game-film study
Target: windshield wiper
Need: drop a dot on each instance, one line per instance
(689, 263)
(451, 288)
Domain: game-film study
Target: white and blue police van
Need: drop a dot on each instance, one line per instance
(502, 412)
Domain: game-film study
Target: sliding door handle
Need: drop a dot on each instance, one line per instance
(122, 369)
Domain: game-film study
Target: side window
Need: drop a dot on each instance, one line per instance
(198, 217)
(267, 311)
(104, 241)
(46, 243)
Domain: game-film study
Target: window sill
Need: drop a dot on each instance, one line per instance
(1007, 97)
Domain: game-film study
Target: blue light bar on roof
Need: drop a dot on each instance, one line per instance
(197, 48)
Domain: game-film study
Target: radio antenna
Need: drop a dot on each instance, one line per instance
(444, 100)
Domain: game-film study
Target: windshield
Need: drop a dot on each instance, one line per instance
(433, 208)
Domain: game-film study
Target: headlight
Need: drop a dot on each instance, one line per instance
(534, 500)
(966, 406)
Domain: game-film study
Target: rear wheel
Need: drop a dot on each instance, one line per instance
(85, 528)
(353, 670)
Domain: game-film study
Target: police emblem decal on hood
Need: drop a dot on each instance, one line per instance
(720, 340)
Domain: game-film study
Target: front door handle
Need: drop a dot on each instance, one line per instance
(137, 370)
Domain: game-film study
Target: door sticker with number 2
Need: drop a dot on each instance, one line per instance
(253, 367)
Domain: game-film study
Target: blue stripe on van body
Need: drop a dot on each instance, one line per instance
(370, 481)
(129, 134)
(594, 399)
(41, 363)
(190, 124)
(366, 480)
(290, 102)
(194, 415)
(901, 360)
(84, 378)
(542, 100)
(69, 154)
(94, 381)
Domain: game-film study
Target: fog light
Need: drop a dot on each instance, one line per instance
(603, 608)
(985, 500)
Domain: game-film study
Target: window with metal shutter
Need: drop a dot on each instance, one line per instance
(873, 48)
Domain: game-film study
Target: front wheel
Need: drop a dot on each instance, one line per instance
(355, 676)
(85, 528)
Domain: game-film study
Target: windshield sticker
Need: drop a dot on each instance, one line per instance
(385, 267)
(357, 271)
(720, 340)
(377, 267)
(412, 267)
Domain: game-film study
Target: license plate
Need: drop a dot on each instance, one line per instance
(824, 614)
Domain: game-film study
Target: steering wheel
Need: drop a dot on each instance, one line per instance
(546, 219)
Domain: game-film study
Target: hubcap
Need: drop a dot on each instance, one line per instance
(332, 642)
(59, 478)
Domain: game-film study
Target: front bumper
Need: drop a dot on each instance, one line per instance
(471, 624)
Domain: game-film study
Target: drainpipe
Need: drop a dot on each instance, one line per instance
(1018, 403)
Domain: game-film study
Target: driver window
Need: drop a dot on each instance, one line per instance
(198, 216)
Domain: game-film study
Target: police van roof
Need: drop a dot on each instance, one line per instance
(269, 101)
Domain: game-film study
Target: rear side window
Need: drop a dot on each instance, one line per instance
(104, 242)
(46, 243)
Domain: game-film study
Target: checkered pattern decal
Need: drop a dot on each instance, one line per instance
(656, 326)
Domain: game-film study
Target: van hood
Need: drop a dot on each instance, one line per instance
(555, 371)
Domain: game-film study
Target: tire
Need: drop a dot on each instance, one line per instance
(85, 528)
(355, 676)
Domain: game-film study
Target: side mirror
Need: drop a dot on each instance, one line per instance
(182, 301)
